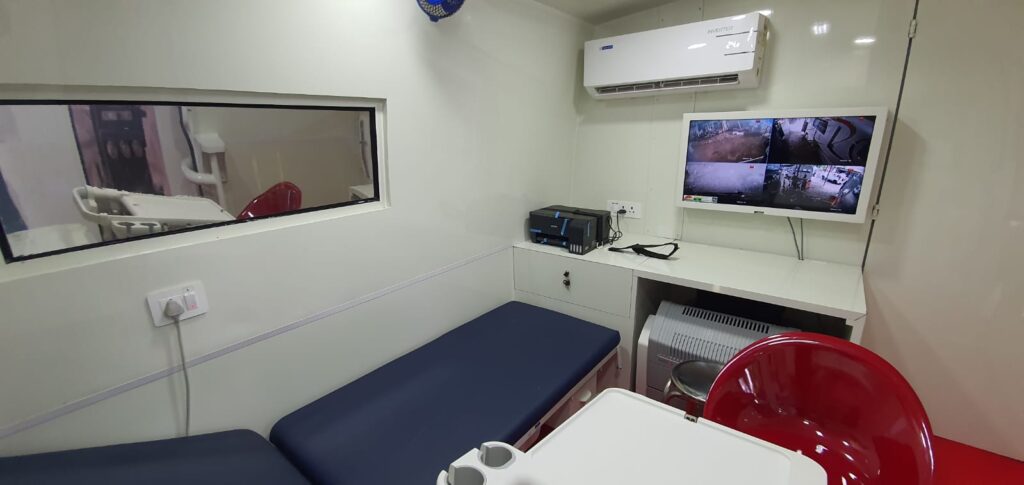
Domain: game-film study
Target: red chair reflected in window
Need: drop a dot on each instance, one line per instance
(282, 197)
(834, 401)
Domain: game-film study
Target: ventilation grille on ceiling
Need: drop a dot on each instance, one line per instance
(724, 80)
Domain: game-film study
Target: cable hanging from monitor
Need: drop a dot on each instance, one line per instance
(799, 245)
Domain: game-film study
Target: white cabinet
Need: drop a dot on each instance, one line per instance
(596, 286)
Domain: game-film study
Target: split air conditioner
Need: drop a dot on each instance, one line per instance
(716, 54)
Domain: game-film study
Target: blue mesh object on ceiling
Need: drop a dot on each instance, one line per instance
(439, 9)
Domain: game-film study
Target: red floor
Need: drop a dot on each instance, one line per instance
(959, 464)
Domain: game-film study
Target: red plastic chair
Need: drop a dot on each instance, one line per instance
(282, 197)
(831, 400)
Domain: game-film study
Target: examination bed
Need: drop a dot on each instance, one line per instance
(494, 378)
(228, 457)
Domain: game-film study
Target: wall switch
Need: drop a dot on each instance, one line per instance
(191, 296)
(633, 209)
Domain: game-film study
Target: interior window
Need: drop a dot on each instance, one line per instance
(76, 175)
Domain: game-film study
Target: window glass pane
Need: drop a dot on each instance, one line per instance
(83, 174)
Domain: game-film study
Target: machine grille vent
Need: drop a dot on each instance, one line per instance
(688, 347)
(695, 82)
(722, 318)
(683, 332)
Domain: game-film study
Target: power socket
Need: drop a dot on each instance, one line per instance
(192, 297)
(633, 209)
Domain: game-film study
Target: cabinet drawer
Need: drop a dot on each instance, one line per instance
(593, 285)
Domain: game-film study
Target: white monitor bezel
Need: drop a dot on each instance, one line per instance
(874, 151)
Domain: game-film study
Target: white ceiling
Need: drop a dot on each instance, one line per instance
(600, 11)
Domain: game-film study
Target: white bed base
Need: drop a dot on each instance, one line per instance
(589, 387)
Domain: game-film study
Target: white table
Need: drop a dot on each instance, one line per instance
(623, 438)
(619, 290)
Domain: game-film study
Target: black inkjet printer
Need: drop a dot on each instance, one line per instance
(576, 229)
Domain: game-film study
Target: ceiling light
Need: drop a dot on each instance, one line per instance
(864, 40)
(820, 28)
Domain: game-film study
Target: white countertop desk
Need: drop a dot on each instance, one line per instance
(613, 289)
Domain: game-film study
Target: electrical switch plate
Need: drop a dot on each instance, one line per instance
(191, 296)
(633, 209)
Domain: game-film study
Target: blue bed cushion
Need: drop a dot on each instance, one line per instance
(488, 380)
(229, 457)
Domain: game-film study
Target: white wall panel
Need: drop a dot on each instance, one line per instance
(630, 149)
(40, 143)
(945, 269)
(151, 412)
(480, 124)
(257, 385)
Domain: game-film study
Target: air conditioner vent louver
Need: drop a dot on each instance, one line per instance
(725, 80)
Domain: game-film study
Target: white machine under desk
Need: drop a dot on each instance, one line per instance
(619, 290)
(623, 438)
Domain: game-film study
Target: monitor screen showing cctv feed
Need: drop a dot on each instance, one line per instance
(813, 165)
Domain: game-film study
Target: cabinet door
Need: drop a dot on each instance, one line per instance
(593, 285)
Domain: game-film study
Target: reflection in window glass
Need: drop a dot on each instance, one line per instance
(84, 174)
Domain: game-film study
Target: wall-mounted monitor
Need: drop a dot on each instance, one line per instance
(811, 164)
